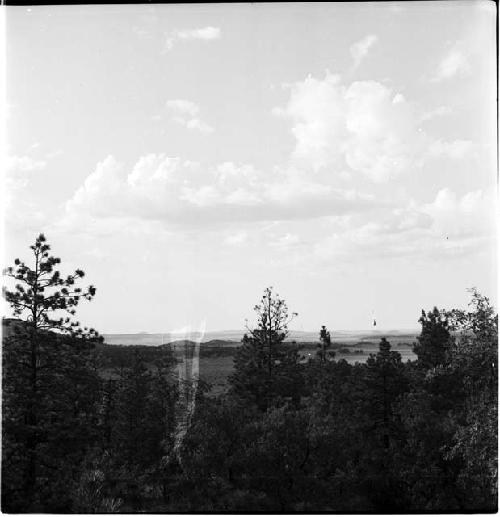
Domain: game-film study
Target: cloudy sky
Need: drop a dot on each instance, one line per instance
(188, 156)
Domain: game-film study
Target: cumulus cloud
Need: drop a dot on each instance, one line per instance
(203, 33)
(365, 126)
(472, 214)
(448, 215)
(168, 189)
(360, 49)
(186, 112)
(454, 63)
(245, 206)
(362, 127)
(448, 225)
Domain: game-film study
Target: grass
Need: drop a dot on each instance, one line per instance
(216, 363)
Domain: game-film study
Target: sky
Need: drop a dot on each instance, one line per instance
(188, 156)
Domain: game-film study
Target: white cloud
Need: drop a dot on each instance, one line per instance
(360, 49)
(449, 225)
(203, 34)
(473, 214)
(234, 201)
(182, 192)
(185, 112)
(455, 62)
(100, 189)
(365, 127)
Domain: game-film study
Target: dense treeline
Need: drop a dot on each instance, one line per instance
(289, 435)
(383, 436)
(96, 442)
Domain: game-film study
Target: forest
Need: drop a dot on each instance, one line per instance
(291, 434)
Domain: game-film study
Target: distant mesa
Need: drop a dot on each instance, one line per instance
(229, 337)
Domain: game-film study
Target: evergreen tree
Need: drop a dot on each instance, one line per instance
(434, 340)
(49, 384)
(265, 368)
(137, 420)
(325, 342)
(385, 381)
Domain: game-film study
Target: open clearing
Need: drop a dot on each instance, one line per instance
(217, 354)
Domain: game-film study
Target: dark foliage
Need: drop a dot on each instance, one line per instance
(93, 428)
(266, 370)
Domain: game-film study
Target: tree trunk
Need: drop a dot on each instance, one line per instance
(32, 421)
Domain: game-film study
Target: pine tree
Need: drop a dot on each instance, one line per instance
(265, 368)
(434, 340)
(161, 412)
(48, 383)
(325, 342)
(384, 383)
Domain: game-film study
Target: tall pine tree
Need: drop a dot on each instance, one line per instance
(49, 384)
(267, 369)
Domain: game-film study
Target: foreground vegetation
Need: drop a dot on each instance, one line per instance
(289, 434)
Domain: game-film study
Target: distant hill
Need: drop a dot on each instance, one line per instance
(230, 337)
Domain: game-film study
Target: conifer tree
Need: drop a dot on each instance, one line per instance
(385, 382)
(265, 368)
(434, 340)
(48, 384)
(325, 342)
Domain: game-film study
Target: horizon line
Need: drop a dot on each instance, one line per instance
(185, 333)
